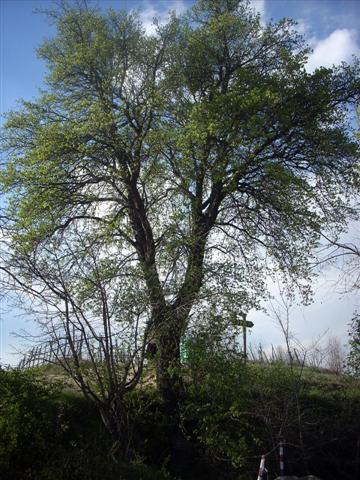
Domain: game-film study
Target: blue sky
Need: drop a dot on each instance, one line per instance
(331, 27)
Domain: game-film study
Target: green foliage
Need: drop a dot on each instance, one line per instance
(217, 389)
(25, 419)
(239, 411)
(331, 425)
(48, 435)
(353, 358)
(231, 414)
(212, 125)
(219, 409)
(153, 152)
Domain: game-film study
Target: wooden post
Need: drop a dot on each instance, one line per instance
(261, 468)
(244, 340)
(245, 324)
(281, 459)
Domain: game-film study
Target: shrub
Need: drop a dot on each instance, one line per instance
(47, 435)
(353, 358)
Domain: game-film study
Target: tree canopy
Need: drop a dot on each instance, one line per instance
(195, 160)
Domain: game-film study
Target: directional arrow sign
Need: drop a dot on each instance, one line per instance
(246, 323)
(243, 323)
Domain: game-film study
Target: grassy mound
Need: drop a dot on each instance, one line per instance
(232, 414)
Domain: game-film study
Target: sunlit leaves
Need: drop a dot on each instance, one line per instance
(206, 151)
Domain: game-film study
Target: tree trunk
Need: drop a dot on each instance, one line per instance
(171, 388)
(114, 418)
(166, 331)
(168, 374)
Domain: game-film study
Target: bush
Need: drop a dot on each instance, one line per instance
(217, 382)
(46, 435)
(233, 412)
(26, 423)
(239, 411)
(353, 358)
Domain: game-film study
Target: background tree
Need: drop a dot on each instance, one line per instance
(353, 357)
(205, 153)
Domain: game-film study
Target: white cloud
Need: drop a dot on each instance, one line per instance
(339, 46)
(179, 6)
(147, 17)
(160, 12)
(149, 12)
(259, 7)
(302, 26)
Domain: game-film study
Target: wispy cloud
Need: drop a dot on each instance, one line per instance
(302, 26)
(160, 11)
(153, 13)
(339, 46)
(259, 7)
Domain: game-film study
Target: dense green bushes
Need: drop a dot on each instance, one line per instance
(241, 411)
(232, 413)
(26, 412)
(48, 435)
(353, 358)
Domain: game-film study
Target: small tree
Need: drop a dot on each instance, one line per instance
(353, 358)
(335, 355)
(89, 325)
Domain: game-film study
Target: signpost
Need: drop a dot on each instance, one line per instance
(245, 324)
(240, 321)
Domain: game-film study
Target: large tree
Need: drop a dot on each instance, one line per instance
(203, 156)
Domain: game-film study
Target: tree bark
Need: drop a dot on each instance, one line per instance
(114, 418)
(168, 365)
(169, 321)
